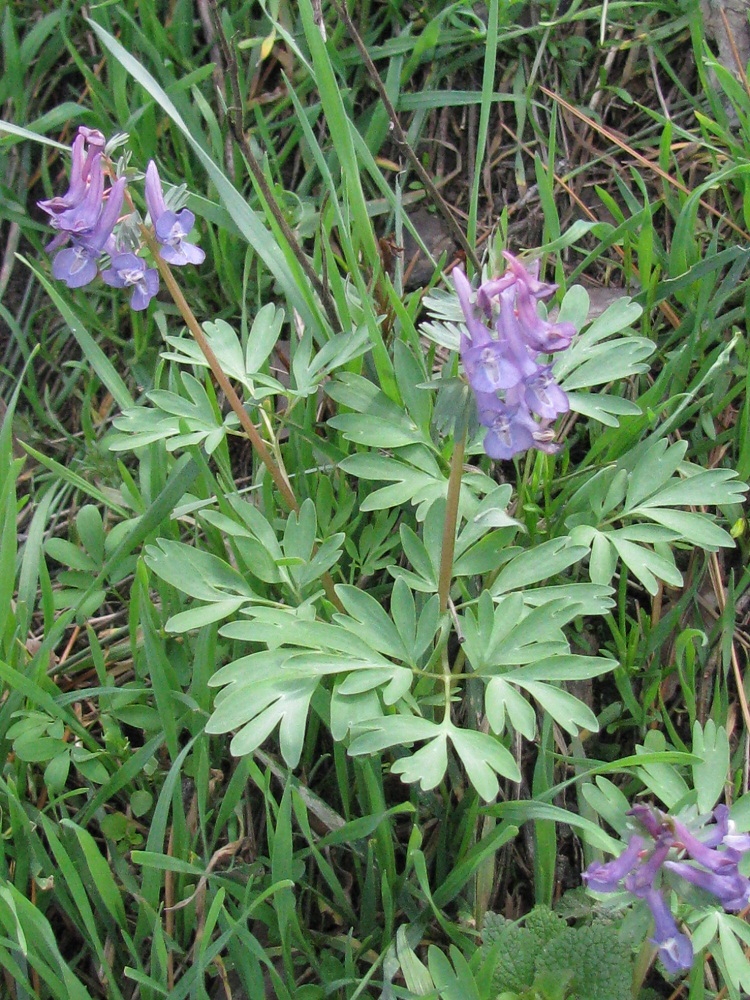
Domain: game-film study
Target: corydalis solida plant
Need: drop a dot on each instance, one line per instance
(89, 218)
(91, 230)
(517, 397)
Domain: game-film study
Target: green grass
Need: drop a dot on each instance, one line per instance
(140, 856)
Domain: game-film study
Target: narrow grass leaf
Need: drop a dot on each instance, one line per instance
(246, 220)
(101, 873)
(23, 133)
(72, 478)
(488, 80)
(340, 130)
(74, 884)
(465, 869)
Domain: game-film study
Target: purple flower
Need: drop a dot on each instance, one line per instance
(490, 290)
(730, 888)
(517, 397)
(91, 142)
(129, 271)
(77, 186)
(544, 438)
(515, 274)
(94, 138)
(645, 815)
(529, 277)
(511, 429)
(82, 216)
(77, 264)
(512, 335)
(607, 877)
(641, 880)
(170, 228)
(542, 336)
(488, 368)
(477, 329)
(709, 857)
(714, 834)
(724, 833)
(543, 395)
(675, 949)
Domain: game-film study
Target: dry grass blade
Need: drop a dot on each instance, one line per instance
(735, 52)
(643, 160)
(666, 309)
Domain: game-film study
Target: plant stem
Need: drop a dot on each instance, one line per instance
(275, 471)
(449, 525)
(243, 416)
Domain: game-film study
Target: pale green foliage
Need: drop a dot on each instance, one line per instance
(631, 512)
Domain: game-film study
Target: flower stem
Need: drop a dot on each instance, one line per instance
(451, 519)
(226, 386)
(274, 470)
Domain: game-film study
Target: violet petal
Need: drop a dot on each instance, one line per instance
(675, 948)
(606, 877)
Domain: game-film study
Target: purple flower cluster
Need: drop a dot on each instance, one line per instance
(709, 861)
(517, 397)
(87, 218)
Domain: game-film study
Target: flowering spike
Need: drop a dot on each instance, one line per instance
(712, 869)
(86, 217)
(499, 350)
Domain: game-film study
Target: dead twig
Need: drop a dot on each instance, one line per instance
(402, 139)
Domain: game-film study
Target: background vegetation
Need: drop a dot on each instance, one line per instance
(138, 857)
